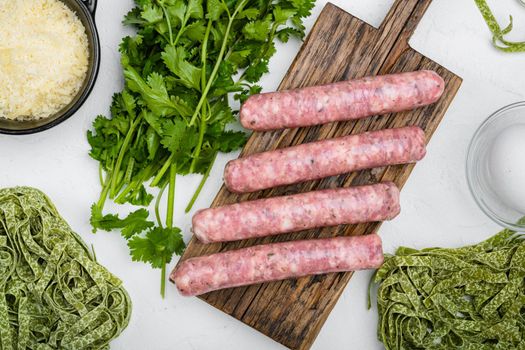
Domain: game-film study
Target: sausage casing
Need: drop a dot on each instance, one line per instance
(346, 100)
(277, 215)
(277, 261)
(325, 158)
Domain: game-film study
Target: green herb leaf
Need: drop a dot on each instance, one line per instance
(157, 247)
(195, 9)
(134, 223)
(175, 60)
(152, 14)
(214, 8)
(258, 30)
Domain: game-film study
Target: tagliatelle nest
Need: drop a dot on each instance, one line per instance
(465, 298)
(53, 294)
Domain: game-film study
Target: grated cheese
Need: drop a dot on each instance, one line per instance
(43, 57)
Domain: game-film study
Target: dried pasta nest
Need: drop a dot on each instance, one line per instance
(53, 294)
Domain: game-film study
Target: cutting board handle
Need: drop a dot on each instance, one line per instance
(402, 21)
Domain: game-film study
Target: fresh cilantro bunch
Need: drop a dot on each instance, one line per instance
(187, 57)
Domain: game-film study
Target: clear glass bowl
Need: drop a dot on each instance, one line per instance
(496, 166)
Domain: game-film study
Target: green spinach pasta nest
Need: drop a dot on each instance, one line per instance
(53, 294)
(466, 298)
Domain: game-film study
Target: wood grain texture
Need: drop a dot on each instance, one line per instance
(339, 47)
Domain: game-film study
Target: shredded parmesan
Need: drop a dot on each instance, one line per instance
(43, 57)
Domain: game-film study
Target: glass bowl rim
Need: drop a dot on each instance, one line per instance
(470, 173)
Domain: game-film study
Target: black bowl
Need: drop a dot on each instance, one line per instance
(85, 10)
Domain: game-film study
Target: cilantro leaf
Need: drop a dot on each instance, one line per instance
(157, 246)
(152, 14)
(214, 8)
(251, 13)
(304, 7)
(281, 16)
(195, 31)
(229, 141)
(134, 223)
(134, 17)
(178, 137)
(194, 9)
(285, 34)
(155, 94)
(175, 60)
(258, 30)
(256, 71)
(177, 10)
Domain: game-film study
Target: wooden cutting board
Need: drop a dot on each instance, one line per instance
(339, 47)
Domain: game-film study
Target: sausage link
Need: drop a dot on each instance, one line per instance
(278, 261)
(271, 216)
(325, 158)
(345, 100)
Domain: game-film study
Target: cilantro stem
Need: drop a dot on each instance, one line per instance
(168, 21)
(162, 171)
(202, 127)
(169, 222)
(100, 174)
(202, 130)
(163, 279)
(129, 171)
(104, 194)
(181, 30)
(201, 184)
(157, 205)
(204, 55)
(135, 184)
(226, 8)
(123, 150)
(171, 196)
(218, 63)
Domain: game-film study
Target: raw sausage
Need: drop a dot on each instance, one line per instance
(278, 261)
(345, 100)
(325, 158)
(271, 216)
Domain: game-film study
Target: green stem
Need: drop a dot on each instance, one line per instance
(129, 171)
(218, 63)
(202, 130)
(103, 195)
(202, 127)
(226, 7)
(157, 205)
(169, 222)
(163, 279)
(181, 30)
(201, 184)
(135, 184)
(169, 23)
(162, 171)
(171, 196)
(100, 175)
(123, 150)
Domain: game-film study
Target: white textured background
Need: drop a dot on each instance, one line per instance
(437, 208)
